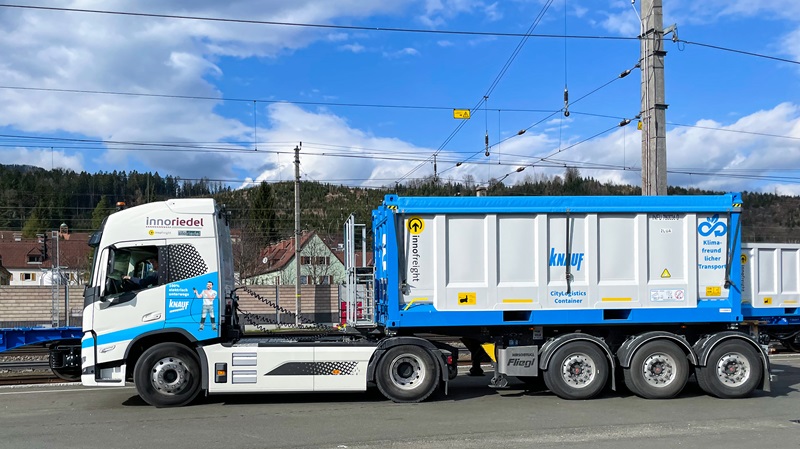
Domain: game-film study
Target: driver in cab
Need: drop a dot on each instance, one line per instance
(150, 278)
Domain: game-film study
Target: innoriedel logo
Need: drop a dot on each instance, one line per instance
(560, 259)
(173, 222)
(712, 225)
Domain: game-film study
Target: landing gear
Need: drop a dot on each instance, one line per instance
(65, 360)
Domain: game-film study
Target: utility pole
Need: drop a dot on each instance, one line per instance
(654, 116)
(297, 233)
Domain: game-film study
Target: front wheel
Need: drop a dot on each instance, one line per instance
(578, 370)
(733, 370)
(407, 373)
(659, 370)
(167, 375)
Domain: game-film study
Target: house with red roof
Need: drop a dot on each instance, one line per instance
(59, 256)
(321, 262)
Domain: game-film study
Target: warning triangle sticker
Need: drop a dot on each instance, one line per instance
(665, 274)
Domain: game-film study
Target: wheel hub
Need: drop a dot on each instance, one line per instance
(170, 375)
(659, 369)
(407, 371)
(733, 369)
(578, 370)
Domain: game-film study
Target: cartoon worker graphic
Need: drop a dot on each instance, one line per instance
(208, 296)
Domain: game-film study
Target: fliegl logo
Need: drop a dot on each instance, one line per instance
(712, 225)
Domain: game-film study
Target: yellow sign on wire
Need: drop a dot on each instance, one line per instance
(462, 114)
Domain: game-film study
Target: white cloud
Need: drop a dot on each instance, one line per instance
(733, 155)
(354, 48)
(44, 158)
(444, 43)
(408, 51)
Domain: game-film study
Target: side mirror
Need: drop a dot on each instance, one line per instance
(90, 295)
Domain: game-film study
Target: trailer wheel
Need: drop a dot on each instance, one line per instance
(407, 373)
(577, 370)
(68, 374)
(733, 370)
(167, 375)
(659, 370)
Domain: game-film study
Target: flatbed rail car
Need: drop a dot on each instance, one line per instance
(64, 343)
(572, 290)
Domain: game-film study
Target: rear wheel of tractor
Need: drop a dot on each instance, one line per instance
(577, 370)
(659, 370)
(407, 373)
(167, 375)
(733, 370)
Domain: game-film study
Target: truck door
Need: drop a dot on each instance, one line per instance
(131, 301)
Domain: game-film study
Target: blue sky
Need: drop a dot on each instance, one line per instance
(733, 119)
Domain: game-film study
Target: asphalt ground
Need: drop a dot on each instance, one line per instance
(471, 416)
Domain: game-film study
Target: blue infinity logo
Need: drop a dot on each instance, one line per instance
(712, 225)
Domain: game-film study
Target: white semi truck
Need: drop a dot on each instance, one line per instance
(574, 290)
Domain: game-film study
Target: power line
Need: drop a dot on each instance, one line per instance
(314, 25)
(742, 52)
(489, 91)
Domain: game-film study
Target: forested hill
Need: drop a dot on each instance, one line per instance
(35, 200)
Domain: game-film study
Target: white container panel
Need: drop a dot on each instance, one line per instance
(789, 267)
(712, 253)
(771, 275)
(557, 261)
(466, 250)
(518, 263)
(419, 249)
(617, 249)
(667, 248)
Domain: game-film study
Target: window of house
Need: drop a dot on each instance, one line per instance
(34, 258)
(27, 276)
(303, 280)
(305, 260)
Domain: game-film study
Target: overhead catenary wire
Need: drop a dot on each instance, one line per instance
(491, 88)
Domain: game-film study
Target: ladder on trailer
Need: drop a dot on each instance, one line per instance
(357, 295)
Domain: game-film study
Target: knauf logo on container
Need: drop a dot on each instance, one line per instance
(560, 259)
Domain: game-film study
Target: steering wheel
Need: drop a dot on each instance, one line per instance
(113, 285)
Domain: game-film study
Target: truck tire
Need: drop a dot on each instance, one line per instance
(659, 370)
(577, 370)
(167, 375)
(733, 370)
(407, 373)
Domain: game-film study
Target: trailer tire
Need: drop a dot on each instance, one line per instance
(167, 375)
(577, 370)
(407, 373)
(658, 370)
(733, 370)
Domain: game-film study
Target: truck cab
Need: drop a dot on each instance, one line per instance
(161, 272)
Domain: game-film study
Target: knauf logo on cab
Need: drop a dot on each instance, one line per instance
(177, 306)
(560, 259)
(174, 222)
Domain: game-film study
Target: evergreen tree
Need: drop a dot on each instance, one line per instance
(101, 211)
